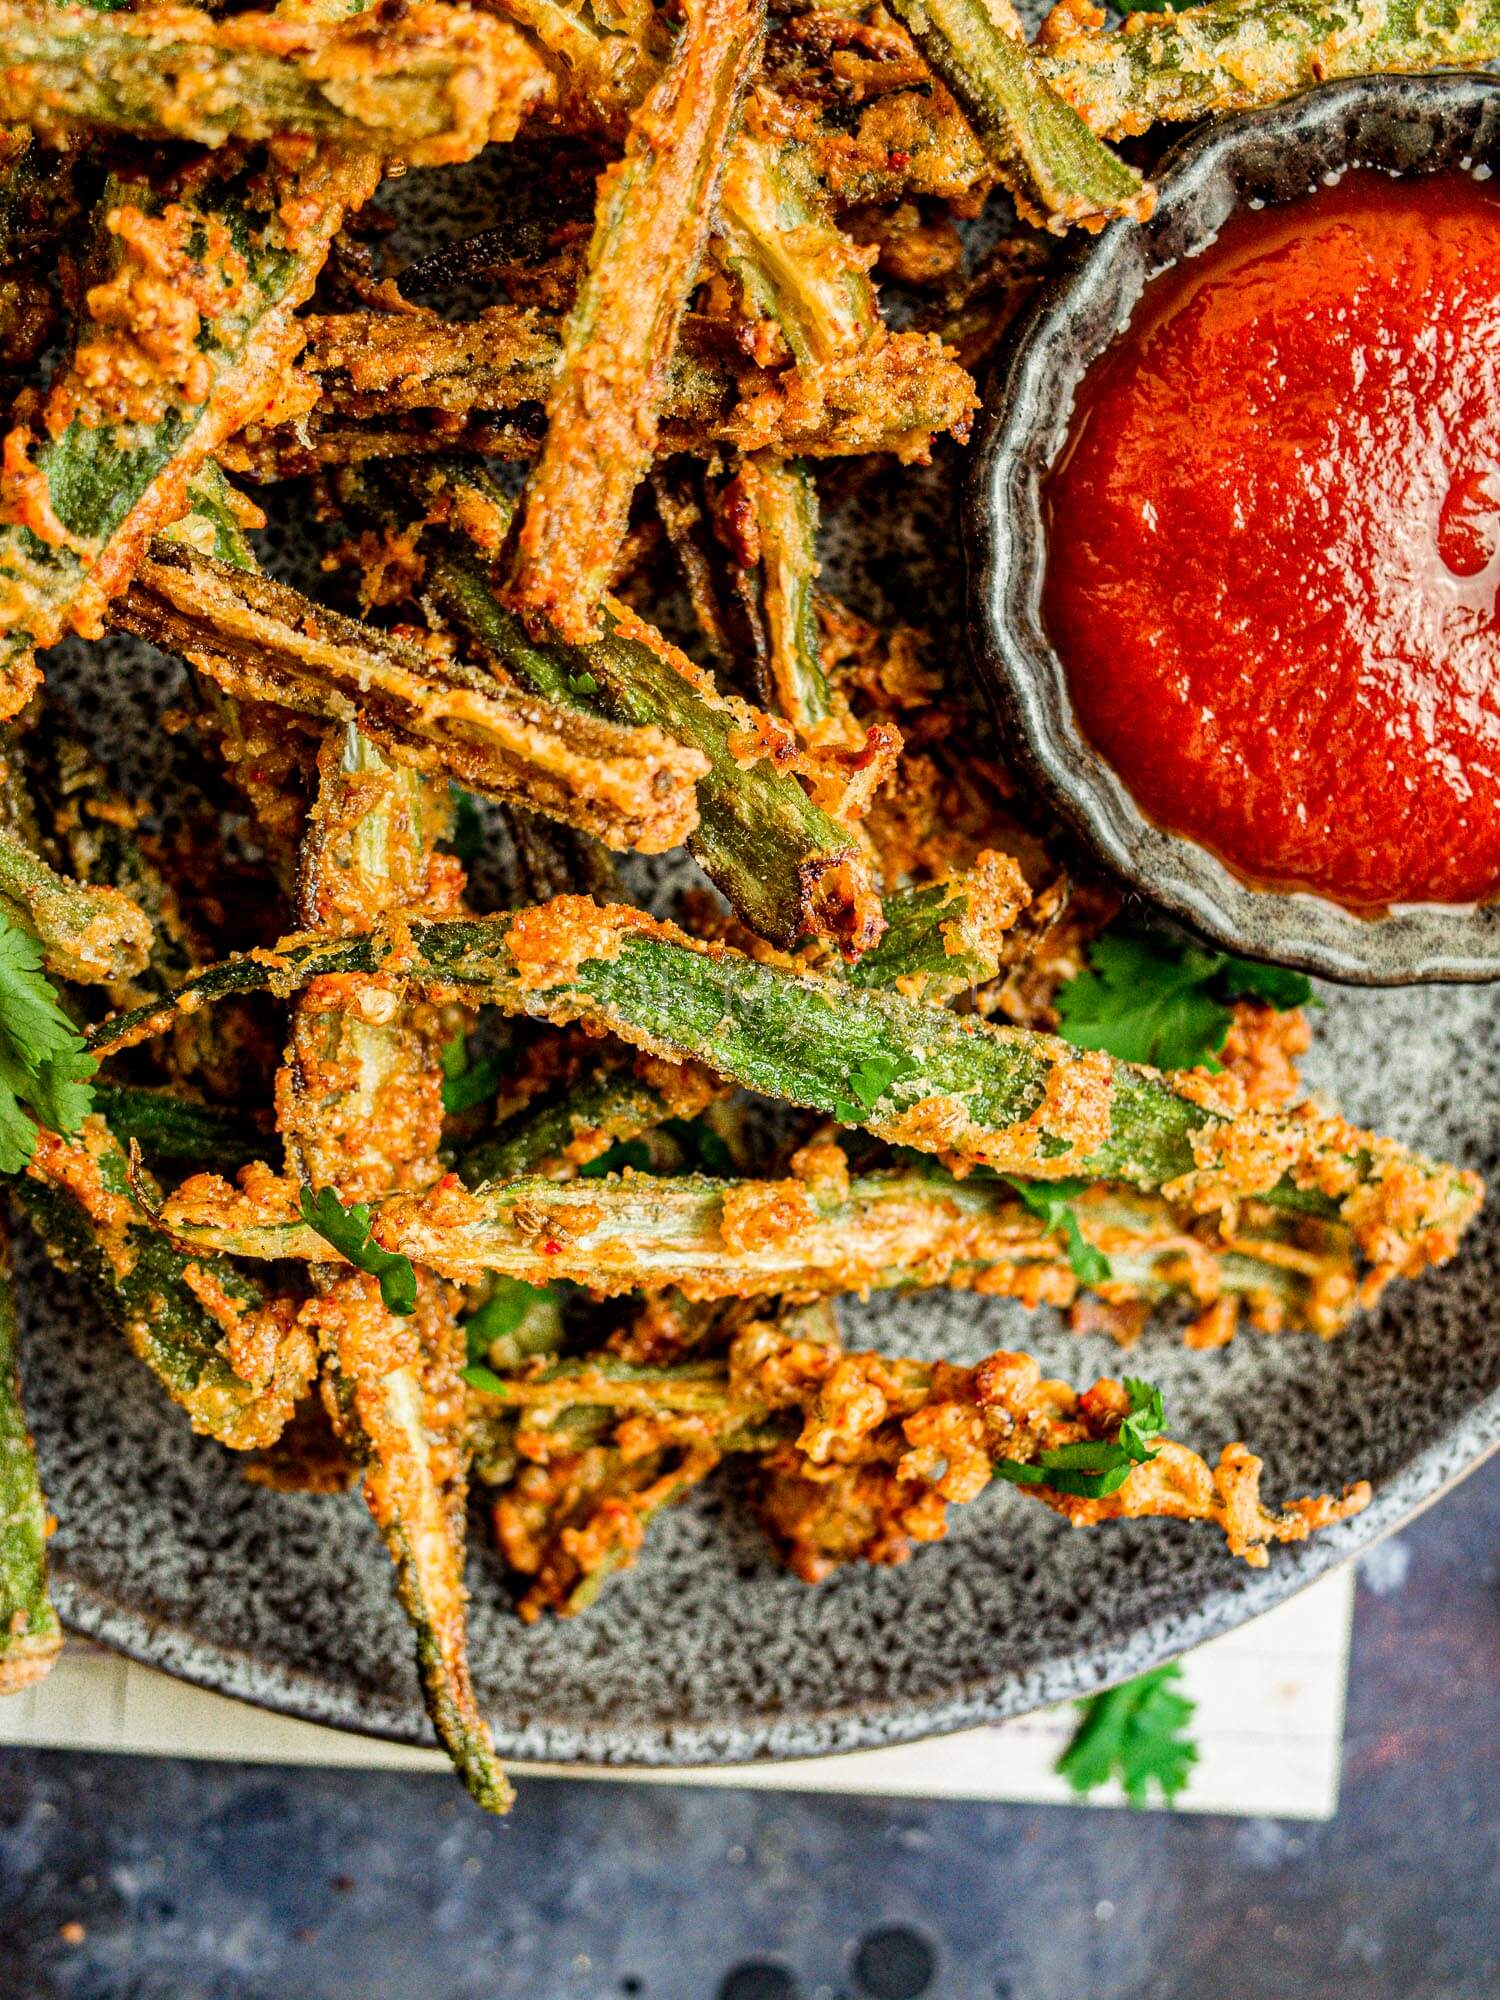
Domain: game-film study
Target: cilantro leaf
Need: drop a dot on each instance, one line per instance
(479, 1377)
(348, 1230)
(868, 1083)
(1145, 1001)
(1137, 1733)
(515, 1321)
(1053, 1202)
(43, 1062)
(1094, 1468)
(1277, 985)
(1152, 998)
(466, 1084)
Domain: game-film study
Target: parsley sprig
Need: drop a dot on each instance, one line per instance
(44, 1070)
(1097, 1467)
(348, 1230)
(516, 1319)
(868, 1083)
(1136, 1733)
(1053, 1202)
(1152, 998)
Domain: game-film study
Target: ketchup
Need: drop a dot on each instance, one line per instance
(1274, 545)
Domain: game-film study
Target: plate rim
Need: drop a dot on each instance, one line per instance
(865, 1724)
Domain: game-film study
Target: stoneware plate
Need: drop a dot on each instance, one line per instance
(1407, 125)
(707, 1652)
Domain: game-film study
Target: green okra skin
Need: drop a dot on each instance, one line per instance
(888, 1230)
(86, 491)
(910, 1073)
(922, 927)
(30, 1634)
(146, 1284)
(651, 227)
(167, 1126)
(257, 639)
(1058, 171)
(786, 519)
(1233, 55)
(800, 269)
(617, 1105)
(96, 833)
(789, 868)
(88, 933)
(420, 87)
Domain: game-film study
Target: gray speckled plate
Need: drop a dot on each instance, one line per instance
(707, 1652)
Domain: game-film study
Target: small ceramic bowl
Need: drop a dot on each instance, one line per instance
(1410, 125)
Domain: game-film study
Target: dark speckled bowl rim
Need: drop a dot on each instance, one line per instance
(743, 1738)
(1410, 123)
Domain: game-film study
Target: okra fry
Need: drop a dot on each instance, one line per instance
(230, 1353)
(723, 1239)
(785, 501)
(651, 226)
(1234, 54)
(977, 1093)
(364, 371)
(122, 429)
(431, 85)
(918, 1435)
(167, 1126)
(1057, 170)
(261, 641)
(89, 933)
(565, 1132)
(359, 1104)
(30, 1634)
(790, 869)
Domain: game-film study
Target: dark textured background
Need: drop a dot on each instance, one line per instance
(206, 1882)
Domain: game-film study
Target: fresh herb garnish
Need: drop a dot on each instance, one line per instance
(43, 1066)
(510, 1301)
(1151, 998)
(868, 1083)
(581, 685)
(1095, 1467)
(466, 1083)
(348, 1230)
(1053, 1202)
(1136, 1733)
(479, 1377)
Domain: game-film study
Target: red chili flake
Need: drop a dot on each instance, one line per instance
(896, 161)
(551, 1247)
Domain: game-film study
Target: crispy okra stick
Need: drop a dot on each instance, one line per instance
(30, 1634)
(579, 1125)
(97, 833)
(724, 1239)
(124, 425)
(651, 226)
(979, 1094)
(89, 933)
(167, 1126)
(790, 869)
(921, 1433)
(260, 640)
(1234, 54)
(785, 504)
(798, 267)
(1059, 173)
(366, 378)
(359, 1104)
(232, 1354)
(429, 86)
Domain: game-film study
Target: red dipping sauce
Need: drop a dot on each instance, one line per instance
(1273, 545)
